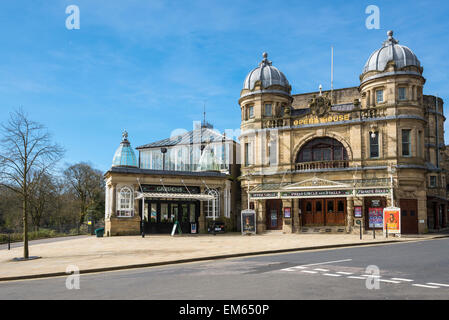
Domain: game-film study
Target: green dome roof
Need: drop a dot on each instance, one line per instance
(124, 156)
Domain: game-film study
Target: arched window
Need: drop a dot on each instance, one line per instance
(125, 203)
(322, 149)
(212, 207)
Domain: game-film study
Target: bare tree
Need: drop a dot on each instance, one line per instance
(87, 184)
(42, 193)
(25, 148)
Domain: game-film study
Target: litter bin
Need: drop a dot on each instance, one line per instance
(99, 232)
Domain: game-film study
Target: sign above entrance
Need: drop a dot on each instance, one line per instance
(264, 195)
(318, 193)
(149, 188)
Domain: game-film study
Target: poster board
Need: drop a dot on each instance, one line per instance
(287, 212)
(357, 212)
(248, 221)
(392, 220)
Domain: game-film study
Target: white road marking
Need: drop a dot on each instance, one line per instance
(402, 279)
(288, 269)
(308, 271)
(345, 273)
(327, 262)
(356, 277)
(424, 286)
(389, 281)
(370, 275)
(299, 267)
(324, 270)
(438, 284)
(331, 275)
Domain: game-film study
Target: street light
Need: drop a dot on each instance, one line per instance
(392, 171)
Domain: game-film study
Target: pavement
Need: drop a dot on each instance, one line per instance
(91, 254)
(402, 270)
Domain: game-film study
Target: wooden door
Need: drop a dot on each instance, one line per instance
(331, 217)
(307, 212)
(274, 216)
(409, 216)
(318, 215)
(340, 212)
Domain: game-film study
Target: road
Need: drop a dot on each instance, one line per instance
(413, 270)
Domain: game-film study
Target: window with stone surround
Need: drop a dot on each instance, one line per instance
(125, 207)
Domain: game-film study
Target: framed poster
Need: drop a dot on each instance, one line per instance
(392, 220)
(358, 212)
(248, 221)
(375, 217)
(287, 212)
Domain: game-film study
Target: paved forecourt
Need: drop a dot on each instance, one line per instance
(109, 252)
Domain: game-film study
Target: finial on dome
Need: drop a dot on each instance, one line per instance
(390, 39)
(265, 61)
(124, 135)
(321, 87)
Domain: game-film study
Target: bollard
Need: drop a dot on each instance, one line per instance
(360, 231)
(374, 232)
(9, 241)
(386, 230)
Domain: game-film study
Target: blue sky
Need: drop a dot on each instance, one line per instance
(149, 66)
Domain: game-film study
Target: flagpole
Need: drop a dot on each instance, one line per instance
(332, 73)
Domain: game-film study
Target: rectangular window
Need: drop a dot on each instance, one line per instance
(433, 182)
(250, 112)
(406, 150)
(268, 109)
(379, 96)
(374, 145)
(248, 154)
(419, 146)
(402, 93)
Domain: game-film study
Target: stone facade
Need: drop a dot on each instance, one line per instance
(392, 137)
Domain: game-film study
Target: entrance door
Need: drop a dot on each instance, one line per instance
(409, 216)
(335, 212)
(307, 212)
(318, 216)
(274, 219)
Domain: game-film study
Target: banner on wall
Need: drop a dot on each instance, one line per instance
(392, 220)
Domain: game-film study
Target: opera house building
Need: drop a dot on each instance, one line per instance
(331, 161)
(326, 161)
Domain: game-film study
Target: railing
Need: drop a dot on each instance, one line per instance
(316, 165)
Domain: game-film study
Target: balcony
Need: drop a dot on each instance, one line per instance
(321, 165)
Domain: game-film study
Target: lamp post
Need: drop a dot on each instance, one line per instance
(164, 151)
(391, 171)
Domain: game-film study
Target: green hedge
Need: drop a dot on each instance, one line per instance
(32, 235)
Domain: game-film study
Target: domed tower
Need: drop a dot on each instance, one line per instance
(391, 87)
(392, 74)
(265, 102)
(265, 94)
(124, 156)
